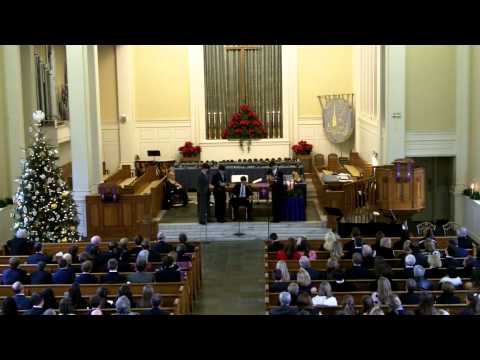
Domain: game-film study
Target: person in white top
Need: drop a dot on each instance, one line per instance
(452, 278)
(324, 296)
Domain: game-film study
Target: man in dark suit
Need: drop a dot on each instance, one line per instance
(19, 245)
(203, 195)
(168, 272)
(94, 243)
(65, 273)
(161, 246)
(219, 181)
(41, 276)
(456, 251)
(449, 260)
(38, 256)
(278, 192)
(86, 277)
(156, 310)
(183, 239)
(285, 309)
(37, 302)
(357, 271)
(275, 244)
(340, 285)
(112, 277)
(304, 262)
(241, 197)
(410, 297)
(14, 273)
(20, 299)
(138, 246)
(422, 283)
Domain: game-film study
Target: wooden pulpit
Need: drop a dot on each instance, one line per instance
(400, 188)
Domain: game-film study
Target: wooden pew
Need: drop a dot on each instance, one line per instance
(139, 311)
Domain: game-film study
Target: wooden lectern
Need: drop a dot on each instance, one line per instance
(400, 188)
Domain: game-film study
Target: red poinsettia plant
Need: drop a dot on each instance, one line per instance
(244, 126)
(189, 150)
(302, 148)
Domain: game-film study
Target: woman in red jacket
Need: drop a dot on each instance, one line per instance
(289, 252)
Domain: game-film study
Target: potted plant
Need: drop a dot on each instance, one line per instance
(302, 151)
(190, 153)
(244, 126)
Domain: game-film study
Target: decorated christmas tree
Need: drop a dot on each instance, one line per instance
(43, 204)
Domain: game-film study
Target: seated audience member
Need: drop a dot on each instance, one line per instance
(140, 276)
(113, 252)
(182, 253)
(355, 245)
(395, 306)
(19, 245)
(340, 285)
(138, 246)
(275, 243)
(368, 257)
(385, 248)
(96, 312)
(419, 275)
(452, 277)
(64, 275)
(449, 260)
(112, 277)
(304, 281)
(429, 246)
(476, 280)
(168, 272)
(304, 263)
(125, 290)
(435, 262)
(96, 303)
(448, 294)
(324, 297)
(41, 276)
(161, 246)
(9, 307)
(278, 285)
(384, 290)
(463, 240)
(410, 261)
(123, 256)
(284, 299)
(156, 302)
(49, 312)
(304, 304)
(145, 300)
(182, 238)
(455, 250)
(332, 266)
(404, 236)
(102, 293)
(75, 295)
(14, 273)
(37, 305)
(330, 239)
(49, 300)
(357, 271)
(66, 307)
(122, 305)
(378, 239)
(468, 266)
(293, 289)
(69, 259)
(303, 245)
(337, 251)
(38, 255)
(86, 276)
(289, 251)
(376, 310)
(406, 250)
(368, 305)
(73, 251)
(428, 234)
(348, 306)
(94, 244)
(20, 299)
(410, 297)
(426, 305)
(473, 307)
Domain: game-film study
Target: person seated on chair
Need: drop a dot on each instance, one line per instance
(242, 195)
(173, 188)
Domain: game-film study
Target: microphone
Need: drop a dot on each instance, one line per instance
(393, 215)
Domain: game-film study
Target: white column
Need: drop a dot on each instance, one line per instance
(197, 92)
(28, 85)
(125, 57)
(462, 129)
(290, 93)
(394, 130)
(14, 112)
(82, 70)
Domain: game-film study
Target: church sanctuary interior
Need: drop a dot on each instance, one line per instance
(239, 180)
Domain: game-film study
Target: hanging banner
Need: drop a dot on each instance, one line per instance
(338, 116)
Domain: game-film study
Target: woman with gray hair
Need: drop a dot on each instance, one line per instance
(332, 266)
(293, 289)
(368, 256)
(282, 266)
(143, 258)
(435, 262)
(122, 305)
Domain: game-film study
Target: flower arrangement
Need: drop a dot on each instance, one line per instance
(244, 126)
(302, 148)
(188, 150)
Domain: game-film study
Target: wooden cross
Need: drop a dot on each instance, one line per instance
(242, 49)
